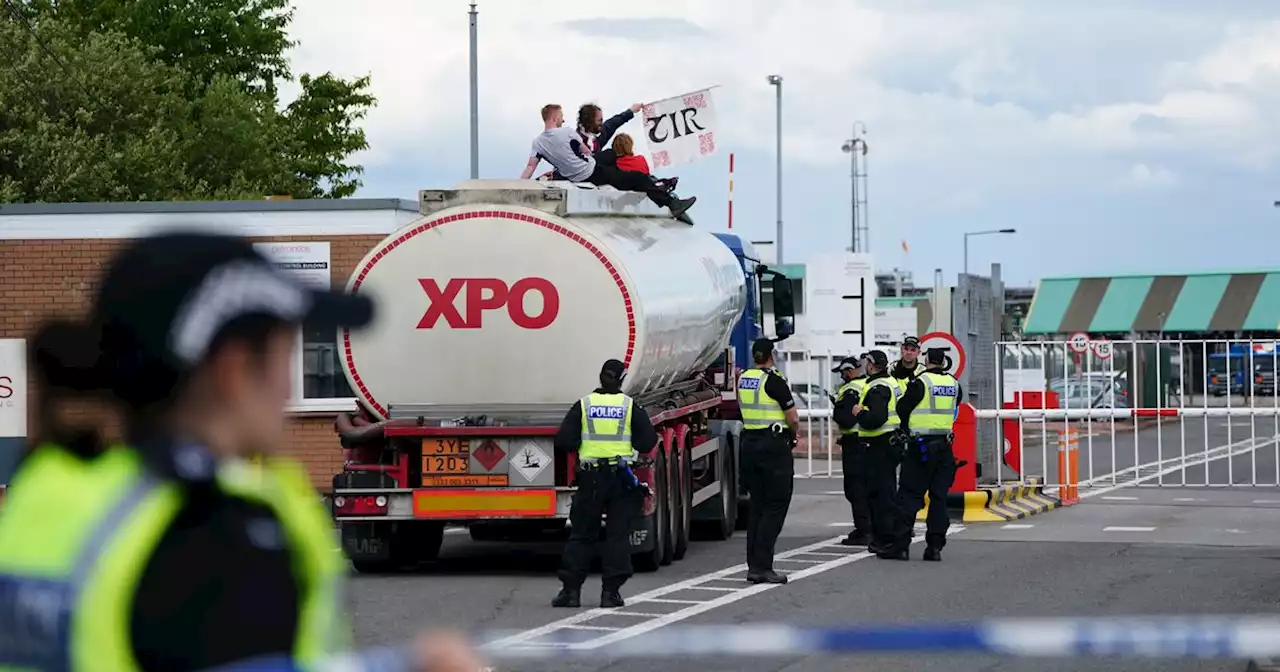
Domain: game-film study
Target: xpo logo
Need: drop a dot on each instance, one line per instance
(484, 294)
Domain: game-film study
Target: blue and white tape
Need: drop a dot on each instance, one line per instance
(1196, 637)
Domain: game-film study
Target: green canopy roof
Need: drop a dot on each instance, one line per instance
(1208, 302)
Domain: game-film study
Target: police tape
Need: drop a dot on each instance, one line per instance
(1173, 637)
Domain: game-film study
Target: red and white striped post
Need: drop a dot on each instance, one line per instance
(730, 191)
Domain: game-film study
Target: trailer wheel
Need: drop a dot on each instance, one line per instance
(651, 560)
(726, 502)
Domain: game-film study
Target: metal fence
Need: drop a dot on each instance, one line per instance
(1144, 412)
(1148, 412)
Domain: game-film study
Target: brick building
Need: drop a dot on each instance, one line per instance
(51, 257)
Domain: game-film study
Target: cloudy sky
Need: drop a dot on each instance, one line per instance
(1116, 137)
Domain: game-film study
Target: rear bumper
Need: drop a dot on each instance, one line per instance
(463, 505)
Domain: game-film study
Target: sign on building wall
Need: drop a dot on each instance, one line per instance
(840, 303)
(308, 263)
(13, 404)
(894, 324)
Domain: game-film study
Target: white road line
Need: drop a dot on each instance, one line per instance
(1191, 460)
(1017, 526)
(1234, 531)
(1128, 529)
(1189, 499)
(692, 608)
(1121, 499)
(592, 627)
(1266, 501)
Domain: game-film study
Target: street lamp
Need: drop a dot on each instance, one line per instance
(776, 81)
(475, 97)
(852, 147)
(990, 232)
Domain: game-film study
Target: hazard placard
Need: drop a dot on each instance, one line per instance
(950, 344)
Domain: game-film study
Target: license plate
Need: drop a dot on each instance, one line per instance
(465, 480)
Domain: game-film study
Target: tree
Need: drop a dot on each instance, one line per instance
(190, 86)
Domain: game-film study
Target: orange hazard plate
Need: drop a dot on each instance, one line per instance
(464, 504)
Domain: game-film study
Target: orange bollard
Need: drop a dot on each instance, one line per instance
(1069, 466)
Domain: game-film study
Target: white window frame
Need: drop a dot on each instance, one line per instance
(300, 405)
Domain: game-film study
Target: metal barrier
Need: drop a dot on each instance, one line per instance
(1149, 413)
(811, 380)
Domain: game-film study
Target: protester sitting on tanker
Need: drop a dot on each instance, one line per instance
(623, 155)
(567, 150)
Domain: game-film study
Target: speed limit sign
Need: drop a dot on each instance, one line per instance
(1102, 348)
(1079, 342)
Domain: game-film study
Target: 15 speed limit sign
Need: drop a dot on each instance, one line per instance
(1101, 348)
(1079, 342)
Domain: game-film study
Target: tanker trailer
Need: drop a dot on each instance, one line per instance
(496, 310)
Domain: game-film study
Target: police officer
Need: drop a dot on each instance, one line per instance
(878, 423)
(853, 453)
(909, 365)
(170, 551)
(604, 428)
(928, 410)
(770, 424)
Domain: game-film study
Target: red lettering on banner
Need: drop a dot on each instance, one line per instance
(661, 159)
(706, 142)
(485, 294)
(696, 101)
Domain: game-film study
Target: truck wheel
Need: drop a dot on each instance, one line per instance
(726, 502)
(650, 560)
(683, 496)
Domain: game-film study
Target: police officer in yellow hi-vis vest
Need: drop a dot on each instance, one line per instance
(853, 451)
(169, 551)
(928, 410)
(605, 428)
(877, 416)
(770, 424)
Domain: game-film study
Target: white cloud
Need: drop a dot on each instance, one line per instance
(1143, 176)
(990, 107)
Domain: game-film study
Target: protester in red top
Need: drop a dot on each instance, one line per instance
(624, 157)
(624, 148)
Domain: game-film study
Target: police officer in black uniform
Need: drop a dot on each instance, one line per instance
(927, 410)
(770, 424)
(853, 452)
(603, 428)
(878, 423)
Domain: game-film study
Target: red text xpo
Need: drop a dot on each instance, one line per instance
(488, 294)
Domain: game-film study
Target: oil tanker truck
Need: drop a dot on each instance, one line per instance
(496, 310)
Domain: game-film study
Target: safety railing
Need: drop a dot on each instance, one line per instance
(1147, 413)
(811, 380)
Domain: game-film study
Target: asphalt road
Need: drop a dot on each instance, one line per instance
(1129, 551)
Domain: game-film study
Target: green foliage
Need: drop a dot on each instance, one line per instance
(167, 100)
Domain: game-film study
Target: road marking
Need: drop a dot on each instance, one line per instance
(1121, 499)
(1266, 501)
(692, 608)
(1180, 463)
(1189, 499)
(1234, 531)
(1128, 529)
(1017, 526)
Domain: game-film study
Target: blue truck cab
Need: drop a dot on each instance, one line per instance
(751, 325)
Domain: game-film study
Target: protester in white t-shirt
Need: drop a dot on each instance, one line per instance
(568, 150)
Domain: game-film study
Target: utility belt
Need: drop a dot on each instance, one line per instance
(600, 463)
(775, 429)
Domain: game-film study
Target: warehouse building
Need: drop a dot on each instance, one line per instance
(52, 255)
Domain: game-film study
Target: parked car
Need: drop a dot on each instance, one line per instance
(1089, 391)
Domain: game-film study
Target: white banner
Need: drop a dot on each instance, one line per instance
(680, 129)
